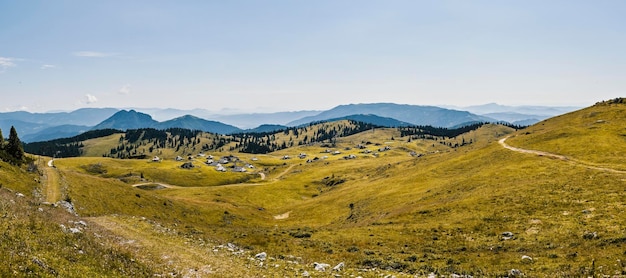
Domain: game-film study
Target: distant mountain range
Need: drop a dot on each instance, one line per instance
(520, 115)
(33, 127)
(413, 114)
(132, 119)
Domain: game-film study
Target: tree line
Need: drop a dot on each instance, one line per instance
(433, 133)
(322, 132)
(66, 147)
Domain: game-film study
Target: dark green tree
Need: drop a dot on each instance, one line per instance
(1, 141)
(14, 147)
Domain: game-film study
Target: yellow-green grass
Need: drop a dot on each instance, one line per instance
(37, 242)
(443, 212)
(19, 179)
(596, 134)
(99, 146)
(164, 171)
(466, 206)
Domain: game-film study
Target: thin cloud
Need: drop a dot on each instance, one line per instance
(94, 54)
(89, 99)
(16, 108)
(6, 63)
(125, 90)
(45, 67)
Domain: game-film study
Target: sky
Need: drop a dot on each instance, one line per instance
(270, 55)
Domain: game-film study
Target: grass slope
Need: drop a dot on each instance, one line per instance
(478, 209)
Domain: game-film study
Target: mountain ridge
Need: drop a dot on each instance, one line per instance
(414, 114)
(38, 126)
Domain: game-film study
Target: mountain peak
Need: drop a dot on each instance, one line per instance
(127, 119)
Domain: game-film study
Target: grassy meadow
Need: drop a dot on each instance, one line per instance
(478, 209)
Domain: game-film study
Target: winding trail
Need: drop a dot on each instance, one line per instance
(558, 156)
(263, 177)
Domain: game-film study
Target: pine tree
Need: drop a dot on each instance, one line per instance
(14, 147)
(1, 140)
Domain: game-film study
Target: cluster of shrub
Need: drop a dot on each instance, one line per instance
(11, 150)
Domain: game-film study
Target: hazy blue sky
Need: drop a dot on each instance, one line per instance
(304, 55)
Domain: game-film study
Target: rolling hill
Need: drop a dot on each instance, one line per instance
(544, 201)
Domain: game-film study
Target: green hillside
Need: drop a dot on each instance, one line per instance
(482, 203)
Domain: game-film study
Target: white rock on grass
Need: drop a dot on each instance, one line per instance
(507, 235)
(261, 256)
(320, 266)
(339, 267)
(527, 259)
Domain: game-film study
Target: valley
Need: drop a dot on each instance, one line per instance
(367, 201)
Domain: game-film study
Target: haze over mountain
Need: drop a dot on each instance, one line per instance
(55, 132)
(46, 126)
(524, 109)
(413, 114)
(127, 120)
(132, 119)
(195, 123)
(240, 120)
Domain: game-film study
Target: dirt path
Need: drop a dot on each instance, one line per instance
(52, 184)
(263, 177)
(284, 172)
(558, 156)
(157, 183)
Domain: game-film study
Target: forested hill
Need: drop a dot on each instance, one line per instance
(139, 143)
(66, 147)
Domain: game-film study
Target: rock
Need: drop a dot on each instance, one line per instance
(527, 259)
(19, 195)
(320, 266)
(339, 267)
(261, 256)
(507, 235)
(231, 247)
(590, 235)
(67, 206)
(306, 274)
(75, 231)
(454, 275)
(516, 273)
